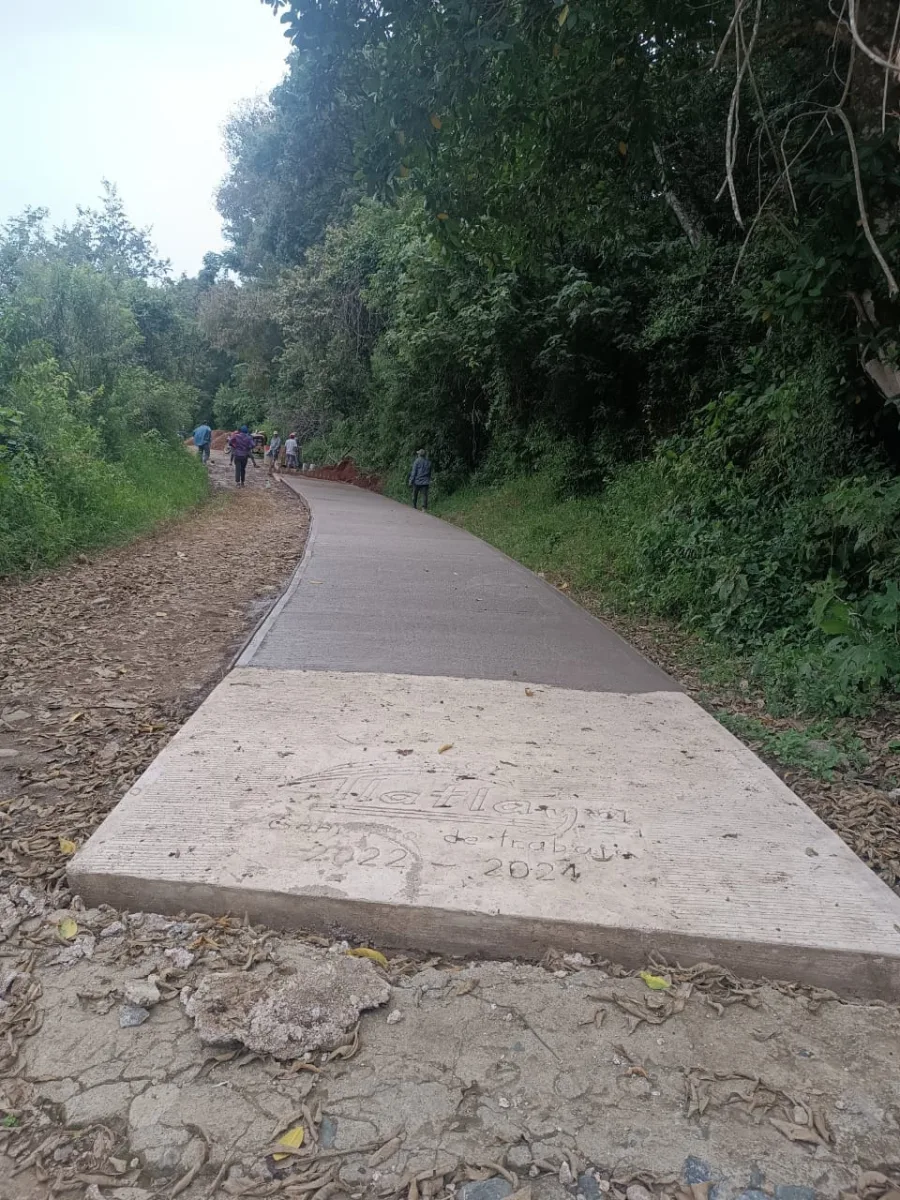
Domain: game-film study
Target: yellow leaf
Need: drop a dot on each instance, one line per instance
(446, 746)
(67, 928)
(364, 952)
(655, 983)
(767, 316)
(293, 1139)
(529, 692)
(442, 216)
(435, 120)
(563, 15)
(623, 148)
(66, 847)
(75, 717)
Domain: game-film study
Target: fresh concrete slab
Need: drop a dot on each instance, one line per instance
(491, 816)
(386, 588)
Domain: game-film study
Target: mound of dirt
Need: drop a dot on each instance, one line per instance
(347, 471)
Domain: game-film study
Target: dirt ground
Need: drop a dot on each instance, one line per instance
(474, 1081)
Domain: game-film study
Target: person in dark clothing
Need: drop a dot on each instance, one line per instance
(241, 450)
(420, 479)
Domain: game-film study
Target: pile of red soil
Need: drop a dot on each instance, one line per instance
(219, 438)
(347, 471)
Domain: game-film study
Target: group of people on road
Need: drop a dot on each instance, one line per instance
(289, 457)
(240, 445)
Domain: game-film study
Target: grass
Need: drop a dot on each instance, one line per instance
(821, 749)
(81, 502)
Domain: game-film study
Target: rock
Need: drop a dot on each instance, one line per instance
(576, 961)
(141, 993)
(180, 958)
(6, 752)
(485, 1189)
(394, 1017)
(83, 947)
(287, 1016)
(131, 1015)
(637, 1191)
(695, 1170)
(589, 1186)
(181, 929)
(518, 1157)
(327, 1132)
(116, 929)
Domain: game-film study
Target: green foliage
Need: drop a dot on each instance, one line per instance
(820, 749)
(58, 495)
(101, 366)
(500, 231)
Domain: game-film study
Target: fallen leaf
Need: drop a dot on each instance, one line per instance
(446, 746)
(364, 952)
(293, 1139)
(388, 1150)
(66, 847)
(561, 19)
(656, 983)
(67, 928)
(623, 148)
(436, 121)
(442, 216)
(796, 1133)
(529, 691)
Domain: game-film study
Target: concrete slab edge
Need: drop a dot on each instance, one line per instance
(850, 974)
(261, 629)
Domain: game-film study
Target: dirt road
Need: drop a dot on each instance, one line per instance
(470, 1080)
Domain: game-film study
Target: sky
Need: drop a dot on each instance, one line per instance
(134, 91)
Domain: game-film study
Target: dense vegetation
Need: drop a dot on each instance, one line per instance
(625, 267)
(101, 364)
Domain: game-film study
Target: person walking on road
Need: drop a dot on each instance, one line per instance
(420, 479)
(241, 450)
(292, 452)
(203, 441)
(274, 450)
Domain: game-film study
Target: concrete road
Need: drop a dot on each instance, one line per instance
(427, 746)
(388, 588)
